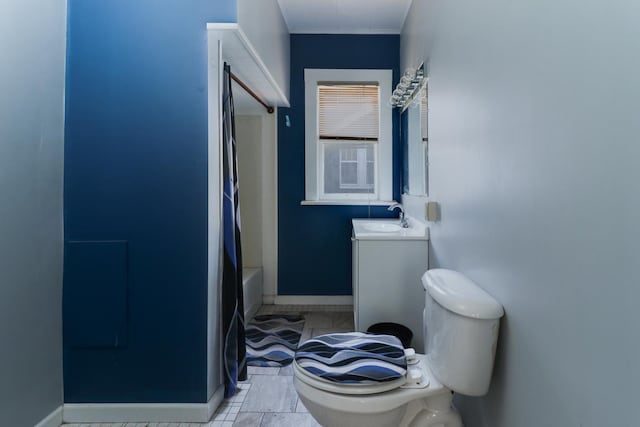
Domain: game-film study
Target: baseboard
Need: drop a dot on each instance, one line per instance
(313, 300)
(142, 412)
(268, 299)
(54, 419)
(251, 311)
(215, 401)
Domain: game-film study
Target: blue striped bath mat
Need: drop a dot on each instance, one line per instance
(272, 339)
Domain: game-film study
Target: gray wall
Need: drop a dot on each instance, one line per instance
(535, 160)
(32, 47)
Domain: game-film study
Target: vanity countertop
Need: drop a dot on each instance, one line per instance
(388, 229)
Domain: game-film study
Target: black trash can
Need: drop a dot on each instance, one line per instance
(403, 333)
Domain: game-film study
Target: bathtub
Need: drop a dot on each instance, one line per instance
(252, 290)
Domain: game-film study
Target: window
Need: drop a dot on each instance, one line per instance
(348, 128)
(356, 170)
(348, 142)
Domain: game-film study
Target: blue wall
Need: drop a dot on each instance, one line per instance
(136, 173)
(314, 242)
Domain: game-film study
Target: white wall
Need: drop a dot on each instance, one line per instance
(270, 206)
(256, 141)
(262, 22)
(249, 146)
(32, 46)
(534, 159)
(413, 51)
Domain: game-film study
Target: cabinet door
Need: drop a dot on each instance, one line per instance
(389, 288)
(354, 280)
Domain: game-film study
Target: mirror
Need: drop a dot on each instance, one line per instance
(414, 122)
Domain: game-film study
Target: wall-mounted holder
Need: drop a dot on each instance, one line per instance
(433, 211)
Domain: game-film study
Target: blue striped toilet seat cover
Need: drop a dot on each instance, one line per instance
(353, 358)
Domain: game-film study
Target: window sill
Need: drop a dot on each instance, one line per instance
(347, 202)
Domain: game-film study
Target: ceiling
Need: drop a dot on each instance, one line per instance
(332, 17)
(345, 16)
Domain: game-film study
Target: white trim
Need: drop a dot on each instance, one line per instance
(332, 30)
(347, 202)
(270, 204)
(384, 158)
(252, 278)
(214, 209)
(54, 419)
(242, 54)
(313, 300)
(311, 148)
(215, 401)
(275, 225)
(142, 412)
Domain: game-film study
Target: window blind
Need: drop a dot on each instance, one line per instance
(348, 112)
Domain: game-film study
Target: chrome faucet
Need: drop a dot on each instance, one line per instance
(403, 221)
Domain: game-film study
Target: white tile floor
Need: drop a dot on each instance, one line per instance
(211, 424)
(268, 398)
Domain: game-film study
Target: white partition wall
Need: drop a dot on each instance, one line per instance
(256, 142)
(262, 22)
(260, 57)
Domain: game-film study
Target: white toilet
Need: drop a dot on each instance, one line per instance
(369, 382)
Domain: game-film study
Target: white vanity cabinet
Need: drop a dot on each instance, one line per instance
(387, 267)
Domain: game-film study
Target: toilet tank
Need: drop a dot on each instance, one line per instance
(461, 331)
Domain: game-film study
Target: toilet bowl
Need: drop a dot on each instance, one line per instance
(374, 405)
(367, 380)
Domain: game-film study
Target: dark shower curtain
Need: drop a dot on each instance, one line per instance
(234, 350)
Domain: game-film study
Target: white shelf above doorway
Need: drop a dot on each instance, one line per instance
(246, 64)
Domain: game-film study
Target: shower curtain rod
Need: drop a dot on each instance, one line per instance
(252, 93)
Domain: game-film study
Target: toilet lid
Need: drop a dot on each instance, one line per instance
(354, 359)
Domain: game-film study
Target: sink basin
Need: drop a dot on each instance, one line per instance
(388, 229)
(382, 227)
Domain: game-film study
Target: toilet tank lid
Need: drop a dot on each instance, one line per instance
(456, 292)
